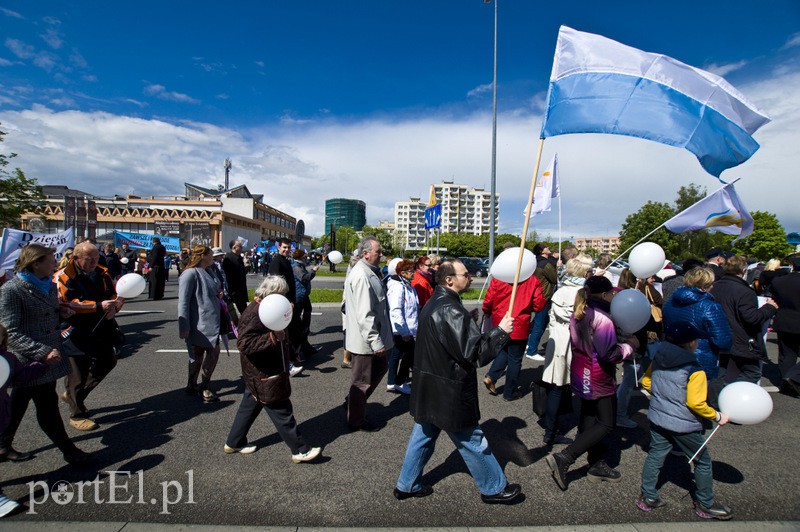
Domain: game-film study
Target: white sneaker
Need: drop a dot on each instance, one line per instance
(7, 505)
(294, 371)
(308, 456)
(626, 423)
(247, 449)
(535, 357)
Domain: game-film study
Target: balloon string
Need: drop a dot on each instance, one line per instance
(704, 444)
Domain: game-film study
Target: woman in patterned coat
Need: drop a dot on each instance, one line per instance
(30, 311)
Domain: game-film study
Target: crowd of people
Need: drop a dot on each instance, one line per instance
(706, 329)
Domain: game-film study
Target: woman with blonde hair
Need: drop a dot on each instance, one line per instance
(65, 259)
(199, 295)
(29, 309)
(558, 350)
(694, 304)
(771, 272)
(595, 355)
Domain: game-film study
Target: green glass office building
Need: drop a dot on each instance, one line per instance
(345, 212)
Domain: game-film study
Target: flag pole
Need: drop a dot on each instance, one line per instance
(525, 226)
(668, 221)
(560, 238)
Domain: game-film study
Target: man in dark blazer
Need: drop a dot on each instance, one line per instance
(158, 274)
(236, 274)
(786, 292)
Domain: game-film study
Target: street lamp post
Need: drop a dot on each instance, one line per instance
(492, 189)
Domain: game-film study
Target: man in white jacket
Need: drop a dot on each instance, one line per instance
(369, 331)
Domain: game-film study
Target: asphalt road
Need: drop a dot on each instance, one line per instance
(171, 445)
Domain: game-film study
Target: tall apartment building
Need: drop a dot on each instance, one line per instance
(465, 210)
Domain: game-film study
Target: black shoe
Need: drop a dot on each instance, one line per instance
(509, 495)
(648, 505)
(403, 495)
(347, 365)
(715, 511)
(516, 395)
(556, 439)
(14, 456)
(789, 388)
(602, 472)
(76, 457)
(559, 465)
(366, 426)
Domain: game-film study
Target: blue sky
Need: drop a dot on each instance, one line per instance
(371, 100)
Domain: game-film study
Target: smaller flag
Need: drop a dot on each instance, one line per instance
(432, 200)
(547, 188)
(722, 212)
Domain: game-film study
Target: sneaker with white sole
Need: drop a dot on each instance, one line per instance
(536, 357)
(307, 456)
(294, 371)
(399, 388)
(247, 449)
(7, 505)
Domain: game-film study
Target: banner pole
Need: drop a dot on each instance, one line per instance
(525, 226)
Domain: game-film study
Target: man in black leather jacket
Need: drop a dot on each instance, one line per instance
(444, 394)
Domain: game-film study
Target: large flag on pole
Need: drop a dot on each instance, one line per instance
(547, 188)
(722, 211)
(601, 86)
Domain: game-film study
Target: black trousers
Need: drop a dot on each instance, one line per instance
(282, 417)
(788, 353)
(87, 372)
(597, 420)
(45, 400)
(158, 279)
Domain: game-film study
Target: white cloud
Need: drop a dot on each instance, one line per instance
(726, 68)
(52, 38)
(22, 50)
(161, 92)
(297, 164)
(9, 13)
(793, 41)
(480, 90)
(5, 62)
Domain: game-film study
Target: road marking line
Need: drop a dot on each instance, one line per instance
(141, 311)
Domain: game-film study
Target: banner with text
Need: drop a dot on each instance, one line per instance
(142, 241)
(14, 240)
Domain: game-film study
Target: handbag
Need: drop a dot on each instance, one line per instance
(539, 391)
(655, 311)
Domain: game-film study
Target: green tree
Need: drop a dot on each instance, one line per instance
(385, 238)
(18, 194)
(651, 215)
(767, 241)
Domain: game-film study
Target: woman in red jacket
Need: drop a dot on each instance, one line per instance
(528, 299)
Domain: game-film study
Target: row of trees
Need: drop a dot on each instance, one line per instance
(767, 241)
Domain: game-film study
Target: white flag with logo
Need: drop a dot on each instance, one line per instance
(722, 211)
(547, 188)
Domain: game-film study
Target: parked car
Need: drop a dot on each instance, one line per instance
(475, 266)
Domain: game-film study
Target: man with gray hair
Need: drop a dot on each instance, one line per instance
(369, 331)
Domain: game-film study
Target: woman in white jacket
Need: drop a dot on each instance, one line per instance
(403, 313)
(558, 352)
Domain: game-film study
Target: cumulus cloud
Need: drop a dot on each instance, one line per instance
(298, 164)
(480, 90)
(9, 13)
(793, 42)
(43, 59)
(161, 92)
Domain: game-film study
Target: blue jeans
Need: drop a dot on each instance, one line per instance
(471, 444)
(510, 359)
(555, 398)
(661, 441)
(540, 321)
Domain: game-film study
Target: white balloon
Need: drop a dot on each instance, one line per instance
(504, 267)
(630, 310)
(130, 285)
(124, 260)
(391, 268)
(745, 403)
(275, 312)
(335, 257)
(5, 371)
(646, 260)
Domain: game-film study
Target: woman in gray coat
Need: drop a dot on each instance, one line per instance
(199, 294)
(30, 311)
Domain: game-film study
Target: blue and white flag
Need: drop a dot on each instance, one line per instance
(601, 86)
(16, 239)
(722, 212)
(547, 188)
(145, 241)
